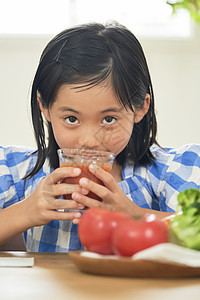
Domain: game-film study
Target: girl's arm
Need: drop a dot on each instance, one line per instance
(113, 198)
(41, 207)
(12, 221)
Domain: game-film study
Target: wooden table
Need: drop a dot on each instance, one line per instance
(55, 277)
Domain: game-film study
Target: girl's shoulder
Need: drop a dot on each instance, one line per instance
(188, 154)
(178, 150)
(173, 170)
(168, 163)
(177, 168)
(17, 160)
(15, 149)
(16, 154)
(15, 163)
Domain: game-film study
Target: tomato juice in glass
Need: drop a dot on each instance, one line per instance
(82, 158)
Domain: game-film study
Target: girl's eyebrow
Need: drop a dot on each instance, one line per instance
(65, 108)
(111, 109)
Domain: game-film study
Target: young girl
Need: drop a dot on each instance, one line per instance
(93, 89)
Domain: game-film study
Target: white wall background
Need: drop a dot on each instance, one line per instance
(175, 70)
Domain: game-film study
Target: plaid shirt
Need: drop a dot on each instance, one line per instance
(155, 186)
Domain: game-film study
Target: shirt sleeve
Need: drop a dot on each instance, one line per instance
(177, 170)
(14, 163)
(8, 193)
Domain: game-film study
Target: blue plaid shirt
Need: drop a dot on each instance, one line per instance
(155, 186)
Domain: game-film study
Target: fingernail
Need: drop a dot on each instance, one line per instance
(77, 171)
(75, 221)
(92, 167)
(84, 181)
(77, 215)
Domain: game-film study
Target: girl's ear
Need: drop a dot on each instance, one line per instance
(45, 111)
(140, 113)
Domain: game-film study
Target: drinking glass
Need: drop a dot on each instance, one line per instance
(82, 158)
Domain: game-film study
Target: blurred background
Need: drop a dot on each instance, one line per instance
(171, 43)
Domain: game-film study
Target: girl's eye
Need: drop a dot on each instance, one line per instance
(109, 120)
(71, 120)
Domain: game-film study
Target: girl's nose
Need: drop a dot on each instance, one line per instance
(89, 142)
(89, 139)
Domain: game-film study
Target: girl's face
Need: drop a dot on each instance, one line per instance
(90, 118)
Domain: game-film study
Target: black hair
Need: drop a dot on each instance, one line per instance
(88, 54)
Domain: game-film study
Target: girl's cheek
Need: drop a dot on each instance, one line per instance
(65, 139)
(119, 141)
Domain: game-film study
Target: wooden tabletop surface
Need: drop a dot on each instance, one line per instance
(54, 276)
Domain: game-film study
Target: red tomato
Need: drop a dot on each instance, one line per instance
(96, 227)
(136, 235)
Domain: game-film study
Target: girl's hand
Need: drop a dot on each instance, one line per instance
(43, 204)
(113, 198)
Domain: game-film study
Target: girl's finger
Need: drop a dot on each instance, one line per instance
(65, 204)
(59, 215)
(76, 221)
(104, 176)
(64, 189)
(61, 173)
(86, 201)
(61, 189)
(104, 192)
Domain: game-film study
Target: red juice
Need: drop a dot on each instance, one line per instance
(84, 173)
